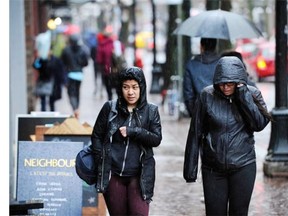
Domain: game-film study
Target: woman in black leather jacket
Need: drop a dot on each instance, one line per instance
(227, 114)
(123, 138)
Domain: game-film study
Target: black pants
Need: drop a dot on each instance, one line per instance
(51, 103)
(108, 85)
(228, 191)
(74, 93)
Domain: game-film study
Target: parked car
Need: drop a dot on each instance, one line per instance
(264, 62)
(259, 57)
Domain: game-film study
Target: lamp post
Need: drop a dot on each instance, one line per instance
(134, 28)
(276, 161)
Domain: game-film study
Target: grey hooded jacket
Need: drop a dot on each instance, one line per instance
(223, 127)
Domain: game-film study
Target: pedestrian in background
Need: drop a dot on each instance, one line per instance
(118, 62)
(199, 72)
(123, 139)
(51, 70)
(91, 41)
(227, 114)
(75, 58)
(104, 57)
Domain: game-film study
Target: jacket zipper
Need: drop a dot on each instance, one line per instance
(127, 146)
(227, 137)
(141, 175)
(102, 172)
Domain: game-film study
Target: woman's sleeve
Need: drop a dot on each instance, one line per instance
(148, 137)
(249, 110)
(100, 128)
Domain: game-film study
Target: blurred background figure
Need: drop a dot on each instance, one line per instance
(75, 59)
(51, 74)
(118, 62)
(42, 44)
(104, 56)
(52, 71)
(90, 39)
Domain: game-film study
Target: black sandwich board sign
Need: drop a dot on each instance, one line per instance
(46, 172)
(26, 123)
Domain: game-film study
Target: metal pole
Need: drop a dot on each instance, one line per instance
(156, 68)
(154, 32)
(179, 44)
(276, 161)
(134, 29)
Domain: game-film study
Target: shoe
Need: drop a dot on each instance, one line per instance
(76, 114)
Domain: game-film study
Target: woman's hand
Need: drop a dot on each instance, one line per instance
(123, 131)
(239, 85)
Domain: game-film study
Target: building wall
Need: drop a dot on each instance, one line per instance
(24, 26)
(18, 85)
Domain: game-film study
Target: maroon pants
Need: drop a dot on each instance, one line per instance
(123, 197)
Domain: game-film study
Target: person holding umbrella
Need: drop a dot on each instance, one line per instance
(199, 72)
(227, 114)
(217, 24)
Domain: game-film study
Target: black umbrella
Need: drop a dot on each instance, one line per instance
(218, 24)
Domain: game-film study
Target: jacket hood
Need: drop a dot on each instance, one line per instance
(133, 73)
(230, 69)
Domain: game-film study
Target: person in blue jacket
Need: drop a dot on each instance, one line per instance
(227, 113)
(199, 72)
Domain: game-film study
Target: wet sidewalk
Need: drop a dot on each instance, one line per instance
(173, 196)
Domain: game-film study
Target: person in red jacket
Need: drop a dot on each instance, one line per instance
(103, 58)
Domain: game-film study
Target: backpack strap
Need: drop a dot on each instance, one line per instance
(113, 110)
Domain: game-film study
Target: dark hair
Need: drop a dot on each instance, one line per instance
(129, 73)
(232, 53)
(209, 44)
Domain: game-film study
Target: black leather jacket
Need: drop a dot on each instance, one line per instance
(222, 128)
(147, 134)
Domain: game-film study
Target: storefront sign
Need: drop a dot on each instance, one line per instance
(46, 171)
